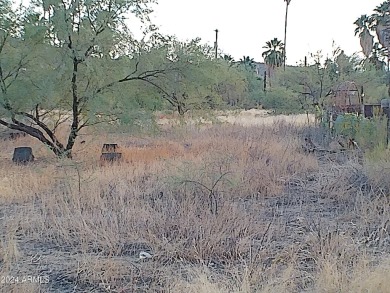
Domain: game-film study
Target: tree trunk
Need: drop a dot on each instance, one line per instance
(75, 110)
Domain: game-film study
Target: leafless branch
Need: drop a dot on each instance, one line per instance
(43, 126)
(17, 125)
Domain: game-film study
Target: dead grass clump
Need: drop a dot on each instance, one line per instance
(20, 183)
(9, 248)
(340, 182)
(260, 161)
(204, 280)
(378, 170)
(362, 277)
(179, 223)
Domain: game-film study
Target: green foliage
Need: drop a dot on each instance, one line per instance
(316, 83)
(198, 81)
(373, 82)
(282, 100)
(347, 125)
(254, 91)
(68, 57)
(369, 133)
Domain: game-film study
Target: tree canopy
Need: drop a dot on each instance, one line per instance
(77, 63)
(374, 33)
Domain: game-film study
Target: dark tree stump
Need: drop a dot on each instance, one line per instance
(110, 148)
(110, 158)
(22, 155)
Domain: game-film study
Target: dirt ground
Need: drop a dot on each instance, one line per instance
(252, 117)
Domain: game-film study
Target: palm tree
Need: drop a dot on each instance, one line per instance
(363, 24)
(248, 62)
(383, 9)
(378, 22)
(382, 26)
(274, 54)
(228, 58)
(381, 19)
(285, 33)
(375, 58)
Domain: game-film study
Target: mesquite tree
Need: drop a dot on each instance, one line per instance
(65, 61)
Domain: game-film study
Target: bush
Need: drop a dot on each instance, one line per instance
(282, 101)
(368, 133)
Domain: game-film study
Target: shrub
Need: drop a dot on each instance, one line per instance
(369, 133)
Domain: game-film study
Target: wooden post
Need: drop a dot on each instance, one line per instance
(216, 44)
(388, 129)
(385, 105)
(387, 113)
(387, 110)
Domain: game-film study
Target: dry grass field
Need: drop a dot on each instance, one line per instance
(229, 208)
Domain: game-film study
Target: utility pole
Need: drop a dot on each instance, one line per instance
(216, 44)
(285, 33)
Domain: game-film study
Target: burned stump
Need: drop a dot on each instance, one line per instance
(22, 155)
(110, 148)
(110, 158)
(109, 154)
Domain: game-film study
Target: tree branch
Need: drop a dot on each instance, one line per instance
(17, 125)
(143, 76)
(43, 126)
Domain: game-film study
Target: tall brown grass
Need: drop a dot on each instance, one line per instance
(226, 209)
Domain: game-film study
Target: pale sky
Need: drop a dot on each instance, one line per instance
(245, 26)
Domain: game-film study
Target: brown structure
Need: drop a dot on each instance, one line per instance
(348, 97)
(345, 98)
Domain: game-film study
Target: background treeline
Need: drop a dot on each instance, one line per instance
(77, 61)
